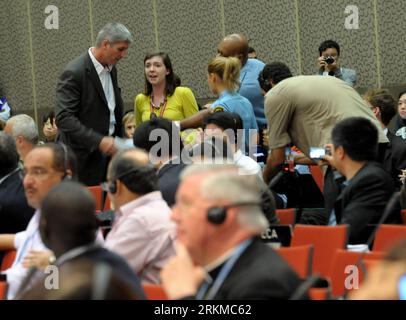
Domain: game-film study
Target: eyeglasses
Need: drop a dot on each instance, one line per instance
(37, 173)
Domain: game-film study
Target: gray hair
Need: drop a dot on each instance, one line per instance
(8, 154)
(113, 32)
(23, 125)
(225, 182)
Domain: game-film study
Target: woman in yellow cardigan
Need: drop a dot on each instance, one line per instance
(162, 97)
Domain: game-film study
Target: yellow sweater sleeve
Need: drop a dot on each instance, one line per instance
(188, 102)
(138, 106)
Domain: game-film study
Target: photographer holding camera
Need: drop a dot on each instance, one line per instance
(328, 63)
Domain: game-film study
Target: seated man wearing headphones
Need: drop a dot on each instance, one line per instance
(86, 270)
(45, 166)
(218, 255)
(142, 231)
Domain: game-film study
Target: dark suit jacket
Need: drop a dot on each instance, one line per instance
(363, 201)
(395, 157)
(95, 256)
(259, 273)
(83, 116)
(168, 181)
(118, 264)
(15, 213)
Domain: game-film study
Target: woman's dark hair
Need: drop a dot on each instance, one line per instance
(49, 115)
(400, 122)
(402, 93)
(170, 77)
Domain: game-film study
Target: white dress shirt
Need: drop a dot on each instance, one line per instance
(24, 242)
(107, 84)
(247, 165)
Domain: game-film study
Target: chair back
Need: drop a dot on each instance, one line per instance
(325, 240)
(387, 236)
(97, 195)
(299, 258)
(286, 216)
(154, 292)
(8, 259)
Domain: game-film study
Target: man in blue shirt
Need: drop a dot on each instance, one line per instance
(236, 45)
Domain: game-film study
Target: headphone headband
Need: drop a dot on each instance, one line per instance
(217, 215)
(112, 186)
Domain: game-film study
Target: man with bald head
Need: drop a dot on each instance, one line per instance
(236, 45)
(142, 232)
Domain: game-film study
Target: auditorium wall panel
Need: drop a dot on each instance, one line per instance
(322, 20)
(189, 31)
(270, 26)
(392, 44)
(15, 72)
(53, 48)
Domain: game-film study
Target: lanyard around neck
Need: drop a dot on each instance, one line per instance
(161, 107)
(224, 272)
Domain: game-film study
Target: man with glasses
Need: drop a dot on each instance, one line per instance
(89, 107)
(44, 167)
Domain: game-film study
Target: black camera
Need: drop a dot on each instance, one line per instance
(329, 60)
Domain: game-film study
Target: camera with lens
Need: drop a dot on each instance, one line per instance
(329, 60)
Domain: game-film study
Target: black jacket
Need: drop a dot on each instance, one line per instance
(83, 117)
(259, 273)
(15, 213)
(363, 201)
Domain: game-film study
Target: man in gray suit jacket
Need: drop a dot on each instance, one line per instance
(89, 107)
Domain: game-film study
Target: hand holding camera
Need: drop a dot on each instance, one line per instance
(327, 63)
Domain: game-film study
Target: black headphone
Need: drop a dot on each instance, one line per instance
(65, 176)
(264, 83)
(217, 215)
(112, 185)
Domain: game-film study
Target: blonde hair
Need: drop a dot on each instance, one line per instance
(129, 117)
(228, 70)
